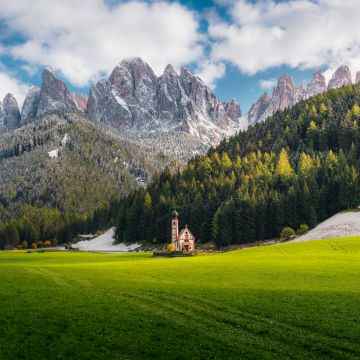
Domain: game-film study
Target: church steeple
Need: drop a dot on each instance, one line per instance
(174, 227)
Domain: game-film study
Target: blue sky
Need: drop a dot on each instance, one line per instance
(238, 47)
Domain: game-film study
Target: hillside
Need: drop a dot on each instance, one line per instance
(296, 301)
(343, 224)
(300, 166)
(63, 161)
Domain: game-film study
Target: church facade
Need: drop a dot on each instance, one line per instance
(183, 240)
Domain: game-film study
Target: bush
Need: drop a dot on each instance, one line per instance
(171, 247)
(287, 233)
(304, 228)
(33, 246)
(24, 244)
(47, 243)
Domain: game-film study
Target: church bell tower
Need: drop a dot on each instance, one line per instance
(174, 226)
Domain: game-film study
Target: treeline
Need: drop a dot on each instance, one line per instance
(74, 192)
(39, 225)
(299, 167)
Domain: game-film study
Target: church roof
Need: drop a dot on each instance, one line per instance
(189, 232)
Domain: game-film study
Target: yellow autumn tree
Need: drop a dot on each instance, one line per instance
(305, 165)
(283, 166)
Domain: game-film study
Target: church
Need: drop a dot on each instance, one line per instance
(183, 241)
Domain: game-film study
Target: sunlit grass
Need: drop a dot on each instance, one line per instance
(296, 300)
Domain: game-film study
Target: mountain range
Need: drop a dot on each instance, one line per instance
(135, 102)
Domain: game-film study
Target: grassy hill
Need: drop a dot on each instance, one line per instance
(298, 300)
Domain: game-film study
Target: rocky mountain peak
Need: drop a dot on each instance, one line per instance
(133, 99)
(132, 68)
(341, 77)
(30, 105)
(283, 94)
(300, 92)
(9, 113)
(54, 94)
(260, 109)
(10, 102)
(317, 85)
(232, 109)
(169, 69)
(286, 94)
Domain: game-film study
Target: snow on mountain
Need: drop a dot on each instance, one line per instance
(30, 105)
(53, 95)
(9, 113)
(133, 99)
(137, 103)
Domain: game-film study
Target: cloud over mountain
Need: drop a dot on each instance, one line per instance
(83, 39)
(298, 33)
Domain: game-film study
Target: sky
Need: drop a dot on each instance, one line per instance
(238, 47)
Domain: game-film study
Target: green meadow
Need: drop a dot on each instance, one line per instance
(293, 301)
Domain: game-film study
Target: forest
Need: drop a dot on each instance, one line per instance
(54, 199)
(300, 166)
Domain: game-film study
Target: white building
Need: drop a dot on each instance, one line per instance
(183, 241)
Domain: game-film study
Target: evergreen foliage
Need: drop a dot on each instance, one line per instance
(298, 167)
(44, 198)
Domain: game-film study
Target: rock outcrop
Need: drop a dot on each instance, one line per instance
(134, 99)
(9, 113)
(53, 95)
(316, 86)
(30, 105)
(232, 109)
(286, 94)
(341, 77)
(80, 101)
(259, 110)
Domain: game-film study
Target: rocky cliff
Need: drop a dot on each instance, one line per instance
(9, 113)
(134, 99)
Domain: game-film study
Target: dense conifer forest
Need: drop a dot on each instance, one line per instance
(56, 197)
(299, 167)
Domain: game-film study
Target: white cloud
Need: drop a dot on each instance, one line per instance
(297, 33)
(9, 84)
(84, 40)
(267, 84)
(210, 72)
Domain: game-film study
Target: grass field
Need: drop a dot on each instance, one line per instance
(296, 301)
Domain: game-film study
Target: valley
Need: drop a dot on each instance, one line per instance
(298, 300)
(179, 180)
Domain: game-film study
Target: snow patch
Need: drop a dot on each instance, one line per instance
(339, 225)
(120, 100)
(65, 140)
(104, 243)
(53, 154)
